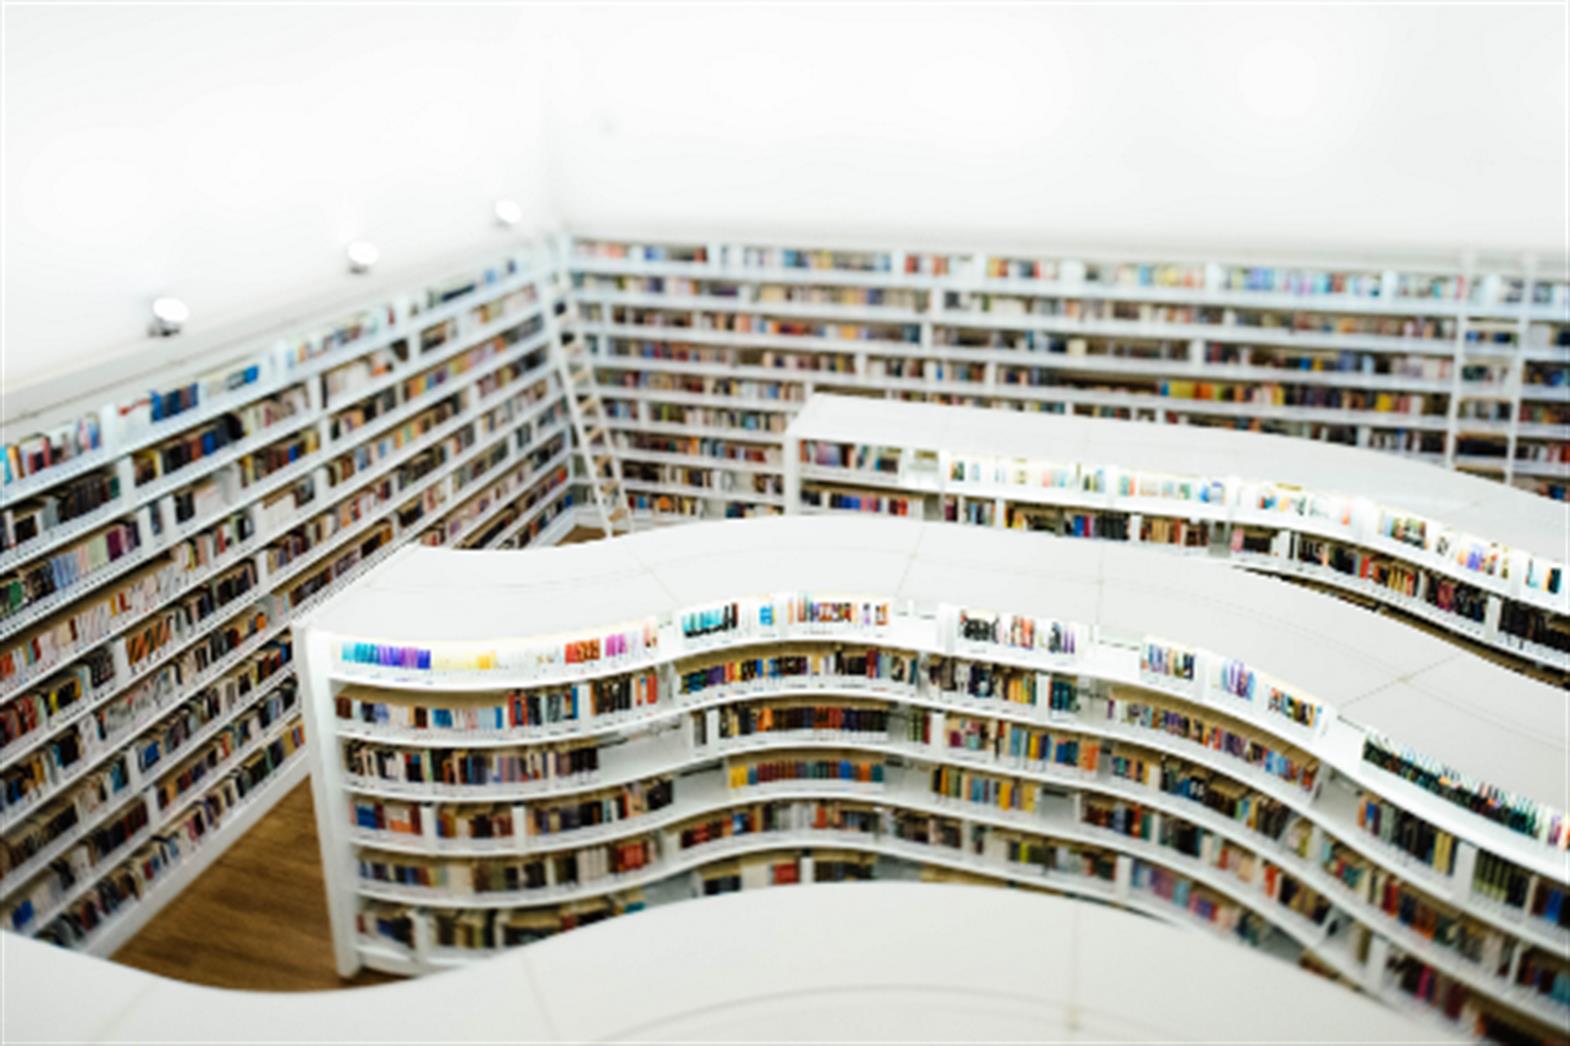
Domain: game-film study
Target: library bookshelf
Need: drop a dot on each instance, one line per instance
(706, 348)
(1482, 562)
(738, 969)
(157, 547)
(505, 747)
(162, 532)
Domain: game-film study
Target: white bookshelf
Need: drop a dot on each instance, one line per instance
(488, 625)
(1462, 365)
(457, 433)
(1321, 514)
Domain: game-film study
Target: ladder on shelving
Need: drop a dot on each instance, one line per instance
(589, 426)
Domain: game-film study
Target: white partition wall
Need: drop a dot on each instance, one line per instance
(510, 746)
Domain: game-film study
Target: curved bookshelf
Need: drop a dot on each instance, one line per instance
(1484, 564)
(648, 731)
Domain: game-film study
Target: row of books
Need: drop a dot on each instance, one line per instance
(889, 666)
(783, 816)
(1447, 545)
(748, 773)
(569, 702)
(1366, 284)
(1407, 831)
(35, 454)
(958, 677)
(746, 720)
(1517, 813)
(612, 646)
(60, 570)
(488, 929)
(844, 501)
(29, 519)
(722, 452)
(131, 881)
(477, 768)
(585, 865)
(1019, 632)
(1215, 732)
(473, 822)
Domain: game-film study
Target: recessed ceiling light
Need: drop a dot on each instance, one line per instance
(508, 212)
(362, 256)
(169, 315)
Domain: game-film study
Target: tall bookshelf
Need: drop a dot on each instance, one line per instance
(653, 729)
(160, 539)
(1487, 565)
(707, 348)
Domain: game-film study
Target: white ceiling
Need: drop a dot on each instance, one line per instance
(227, 154)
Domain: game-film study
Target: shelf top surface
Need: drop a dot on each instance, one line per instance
(1416, 688)
(1484, 508)
(822, 963)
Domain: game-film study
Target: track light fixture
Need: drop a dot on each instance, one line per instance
(362, 256)
(169, 315)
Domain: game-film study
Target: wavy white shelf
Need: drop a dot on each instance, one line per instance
(1370, 672)
(1350, 488)
(749, 964)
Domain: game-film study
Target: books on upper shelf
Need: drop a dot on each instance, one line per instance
(36, 454)
(979, 629)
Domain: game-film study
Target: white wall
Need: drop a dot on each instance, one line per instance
(1284, 128)
(227, 154)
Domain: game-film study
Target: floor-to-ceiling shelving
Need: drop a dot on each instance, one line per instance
(706, 348)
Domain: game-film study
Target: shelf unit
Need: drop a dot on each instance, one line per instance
(1480, 562)
(648, 731)
(154, 578)
(708, 347)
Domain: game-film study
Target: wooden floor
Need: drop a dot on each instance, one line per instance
(257, 918)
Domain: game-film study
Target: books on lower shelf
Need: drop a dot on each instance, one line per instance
(1215, 732)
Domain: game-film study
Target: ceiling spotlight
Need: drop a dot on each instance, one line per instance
(169, 315)
(508, 212)
(362, 256)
